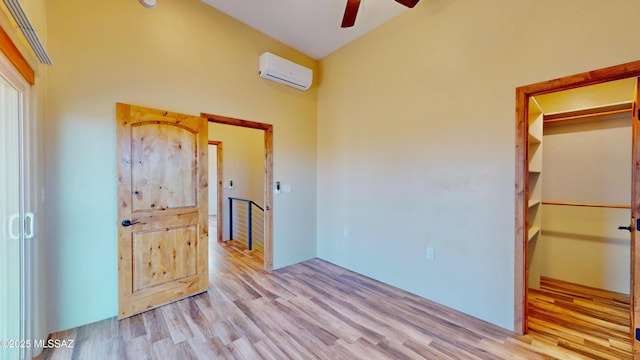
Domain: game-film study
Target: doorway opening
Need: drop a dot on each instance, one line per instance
(267, 194)
(524, 186)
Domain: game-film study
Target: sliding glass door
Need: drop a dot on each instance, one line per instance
(16, 224)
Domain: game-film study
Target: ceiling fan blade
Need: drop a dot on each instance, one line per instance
(408, 3)
(350, 13)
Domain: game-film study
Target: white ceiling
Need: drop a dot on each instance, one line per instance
(309, 26)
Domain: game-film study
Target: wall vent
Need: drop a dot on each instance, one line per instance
(27, 30)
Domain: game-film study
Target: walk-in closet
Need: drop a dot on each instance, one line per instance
(579, 182)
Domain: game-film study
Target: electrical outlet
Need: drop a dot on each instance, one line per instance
(431, 253)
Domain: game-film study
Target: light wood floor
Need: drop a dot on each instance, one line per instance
(592, 322)
(311, 310)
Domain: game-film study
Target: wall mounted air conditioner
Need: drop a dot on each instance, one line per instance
(275, 68)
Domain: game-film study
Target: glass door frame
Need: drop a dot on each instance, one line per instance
(26, 220)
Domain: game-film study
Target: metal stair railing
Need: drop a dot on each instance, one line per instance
(246, 222)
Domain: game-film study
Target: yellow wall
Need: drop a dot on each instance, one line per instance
(585, 97)
(416, 136)
(213, 179)
(182, 56)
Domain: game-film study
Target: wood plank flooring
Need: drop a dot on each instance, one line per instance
(589, 321)
(311, 310)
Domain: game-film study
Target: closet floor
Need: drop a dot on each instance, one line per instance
(588, 321)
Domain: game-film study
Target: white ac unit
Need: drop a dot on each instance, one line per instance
(275, 68)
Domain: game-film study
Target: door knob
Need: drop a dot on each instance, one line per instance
(628, 228)
(127, 222)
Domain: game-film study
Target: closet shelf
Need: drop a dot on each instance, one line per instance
(533, 202)
(534, 139)
(533, 231)
(617, 108)
(611, 206)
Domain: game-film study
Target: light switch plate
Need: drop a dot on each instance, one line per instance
(431, 253)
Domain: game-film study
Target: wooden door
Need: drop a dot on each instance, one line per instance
(162, 207)
(635, 215)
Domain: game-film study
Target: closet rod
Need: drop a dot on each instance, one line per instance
(585, 113)
(611, 206)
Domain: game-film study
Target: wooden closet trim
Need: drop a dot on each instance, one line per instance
(523, 94)
(12, 53)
